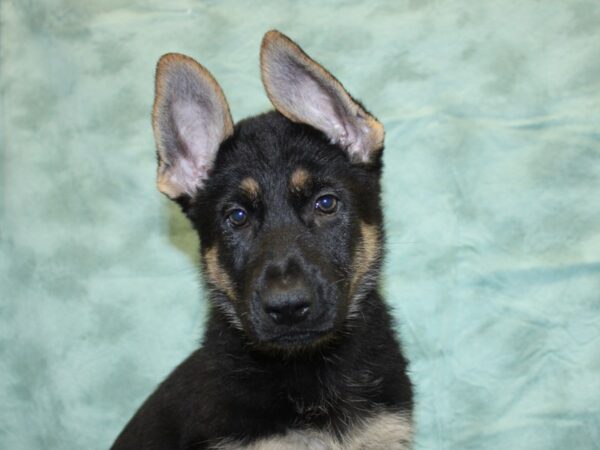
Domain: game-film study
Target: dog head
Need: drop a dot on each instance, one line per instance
(286, 203)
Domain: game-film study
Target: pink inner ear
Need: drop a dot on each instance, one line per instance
(301, 95)
(200, 136)
(312, 103)
(311, 97)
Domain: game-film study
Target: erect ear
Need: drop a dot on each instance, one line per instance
(190, 120)
(303, 91)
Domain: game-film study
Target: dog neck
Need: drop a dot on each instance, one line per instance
(357, 371)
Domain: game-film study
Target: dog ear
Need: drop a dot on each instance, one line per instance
(303, 91)
(190, 120)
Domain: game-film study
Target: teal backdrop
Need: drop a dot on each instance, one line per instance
(492, 197)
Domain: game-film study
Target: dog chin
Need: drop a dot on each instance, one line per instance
(297, 339)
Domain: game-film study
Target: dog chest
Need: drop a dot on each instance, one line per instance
(382, 432)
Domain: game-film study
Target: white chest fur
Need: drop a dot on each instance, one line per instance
(382, 432)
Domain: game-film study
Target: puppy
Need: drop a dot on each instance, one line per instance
(299, 350)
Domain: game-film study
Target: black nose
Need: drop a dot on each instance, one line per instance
(287, 308)
(284, 292)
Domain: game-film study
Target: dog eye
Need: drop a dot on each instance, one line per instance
(238, 217)
(326, 204)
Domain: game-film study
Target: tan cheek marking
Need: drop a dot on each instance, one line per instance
(366, 253)
(299, 180)
(216, 274)
(250, 186)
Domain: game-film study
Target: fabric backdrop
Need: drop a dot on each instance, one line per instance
(492, 196)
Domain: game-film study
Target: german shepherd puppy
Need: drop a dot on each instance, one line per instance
(299, 350)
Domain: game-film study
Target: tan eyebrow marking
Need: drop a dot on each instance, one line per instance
(299, 180)
(250, 186)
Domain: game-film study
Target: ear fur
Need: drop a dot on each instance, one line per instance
(303, 91)
(190, 119)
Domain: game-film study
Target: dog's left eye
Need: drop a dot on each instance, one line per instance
(326, 204)
(238, 217)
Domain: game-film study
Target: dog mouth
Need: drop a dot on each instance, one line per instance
(294, 311)
(308, 333)
(298, 338)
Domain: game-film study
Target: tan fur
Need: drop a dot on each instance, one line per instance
(166, 64)
(216, 274)
(385, 431)
(367, 252)
(299, 180)
(274, 41)
(250, 187)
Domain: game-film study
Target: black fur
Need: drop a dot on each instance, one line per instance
(250, 379)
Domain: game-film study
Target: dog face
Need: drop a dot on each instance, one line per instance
(286, 204)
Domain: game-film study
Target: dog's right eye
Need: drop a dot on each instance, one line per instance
(238, 217)
(326, 204)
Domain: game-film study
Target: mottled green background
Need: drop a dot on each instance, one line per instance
(492, 187)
